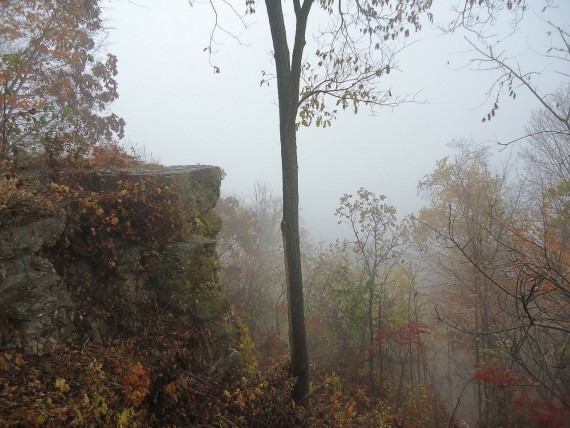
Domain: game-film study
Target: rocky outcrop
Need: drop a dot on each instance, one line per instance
(36, 308)
(80, 303)
(188, 278)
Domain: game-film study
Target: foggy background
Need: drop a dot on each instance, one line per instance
(183, 113)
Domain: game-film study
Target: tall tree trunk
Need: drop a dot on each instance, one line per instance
(288, 71)
(379, 343)
(371, 337)
(290, 230)
(480, 358)
(4, 142)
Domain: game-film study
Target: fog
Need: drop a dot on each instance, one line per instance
(154, 303)
(178, 109)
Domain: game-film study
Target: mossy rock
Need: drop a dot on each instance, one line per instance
(207, 305)
(194, 261)
(208, 225)
(198, 186)
(188, 278)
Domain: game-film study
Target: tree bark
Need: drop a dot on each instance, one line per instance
(288, 72)
(371, 381)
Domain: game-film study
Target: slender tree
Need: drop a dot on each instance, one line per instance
(356, 45)
(378, 242)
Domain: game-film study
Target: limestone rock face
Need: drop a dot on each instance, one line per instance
(199, 185)
(29, 238)
(36, 307)
(87, 305)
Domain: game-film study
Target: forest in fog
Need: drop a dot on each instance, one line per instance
(464, 304)
(127, 299)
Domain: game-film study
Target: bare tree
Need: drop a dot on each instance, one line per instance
(489, 24)
(250, 251)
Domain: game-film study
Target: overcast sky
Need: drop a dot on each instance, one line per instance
(183, 113)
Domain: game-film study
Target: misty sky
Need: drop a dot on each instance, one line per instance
(178, 109)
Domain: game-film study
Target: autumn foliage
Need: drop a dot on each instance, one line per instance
(379, 352)
(102, 224)
(409, 333)
(54, 83)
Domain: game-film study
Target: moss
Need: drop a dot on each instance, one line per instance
(245, 345)
(208, 225)
(188, 279)
(194, 261)
(207, 305)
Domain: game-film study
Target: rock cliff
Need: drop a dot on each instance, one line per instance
(52, 294)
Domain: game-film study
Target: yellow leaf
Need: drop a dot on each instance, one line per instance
(170, 389)
(114, 221)
(61, 385)
(4, 366)
(19, 360)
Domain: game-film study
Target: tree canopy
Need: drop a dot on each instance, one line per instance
(54, 83)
